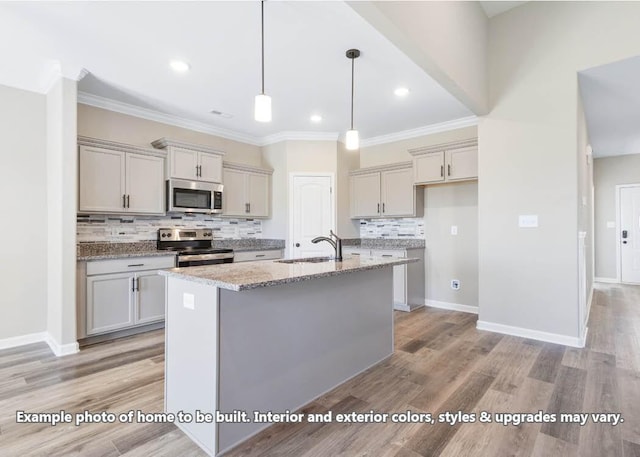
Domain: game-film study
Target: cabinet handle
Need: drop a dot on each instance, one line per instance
(133, 284)
(128, 201)
(201, 171)
(136, 265)
(383, 207)
(246, 207)
(449, 170)
(378, 208)
(260, 255)
(249, 206)
(442, 171)
(387, 255)
(124, 201)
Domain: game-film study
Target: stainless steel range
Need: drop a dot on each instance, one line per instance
(193, 246)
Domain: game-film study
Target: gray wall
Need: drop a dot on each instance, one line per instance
(452, 256)
(23, 182)
(607, 174)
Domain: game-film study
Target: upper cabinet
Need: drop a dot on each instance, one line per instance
(446, 162)
(386, 191)
(191, 161)
(247, 190)
(119, 178)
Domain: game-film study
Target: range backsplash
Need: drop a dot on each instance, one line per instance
(401, 228)
(122, 229)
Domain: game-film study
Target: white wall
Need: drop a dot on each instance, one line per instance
(23, 183)
(447, 39)
(109, 125)
(609, 172)
(451, 256)
(528, 161)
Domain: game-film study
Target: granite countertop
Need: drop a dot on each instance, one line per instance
(101, 251)
(252, 275)
(384, 243)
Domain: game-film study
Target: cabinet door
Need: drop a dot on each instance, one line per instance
(234, 199)
(101, 180)
(398, 193)
(365, 195)
(210, 167)
(462, 163)
(149, 297)
(145, 184)
(183, 163)
(109, 302)
(258, 192)
(429, 168)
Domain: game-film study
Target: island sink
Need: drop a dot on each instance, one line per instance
(307, 260)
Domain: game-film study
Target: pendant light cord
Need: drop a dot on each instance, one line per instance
(352, 89)
(262, 28)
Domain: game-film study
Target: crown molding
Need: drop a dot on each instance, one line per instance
(114, 145)
(152, 115)
(299, 136)
(468, 143)
(420, 131)
(245, 167)
(388, 167)
(167, 143)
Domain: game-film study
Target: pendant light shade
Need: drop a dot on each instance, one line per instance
(262, 111)
(352, 140)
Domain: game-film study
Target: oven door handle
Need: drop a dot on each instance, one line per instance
(187, 258)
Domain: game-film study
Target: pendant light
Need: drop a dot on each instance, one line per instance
(262, 110)
(352, 141)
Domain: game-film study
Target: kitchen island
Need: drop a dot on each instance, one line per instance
(269, 337)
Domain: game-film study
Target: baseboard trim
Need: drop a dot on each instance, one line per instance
(572, 341)
(451, 306)
(607, 280)
(23, 340)
(60, 350)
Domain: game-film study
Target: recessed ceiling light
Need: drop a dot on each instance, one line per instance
(316, 118)
(179, 66)
(401, 91)
(221, 114)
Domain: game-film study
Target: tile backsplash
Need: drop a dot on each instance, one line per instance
(392, 228)
(122, 229)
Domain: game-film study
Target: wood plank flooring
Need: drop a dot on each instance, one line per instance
(442, 363)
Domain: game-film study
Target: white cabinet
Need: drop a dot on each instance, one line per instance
(191, 161)
(385, 192)
(118, 178)
(250, 256)
(408, 280)
(247, 190)
(123, 293)
(446, 162)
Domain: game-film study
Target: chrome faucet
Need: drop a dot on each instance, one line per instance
(337, 244)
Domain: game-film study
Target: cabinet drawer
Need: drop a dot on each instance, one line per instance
(356, 251)
(395, 253)
(249, 256)
(96, 267)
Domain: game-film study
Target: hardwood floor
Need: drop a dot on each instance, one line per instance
(442, 363)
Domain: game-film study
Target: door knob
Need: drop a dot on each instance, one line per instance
(297, 245)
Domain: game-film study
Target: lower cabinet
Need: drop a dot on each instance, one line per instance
(124, 293)
(249, 256)
(408, 280)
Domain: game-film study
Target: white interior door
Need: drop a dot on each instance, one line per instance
(312, 215)
(630, 234)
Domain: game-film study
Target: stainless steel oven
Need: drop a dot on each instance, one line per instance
(193, 247)
(193, 197)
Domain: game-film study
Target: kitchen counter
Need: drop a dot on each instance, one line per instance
(100, 251)
(252, 275)
(270, 337)
(384, 243)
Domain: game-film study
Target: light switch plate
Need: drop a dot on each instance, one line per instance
(528, 220)
(454, 229)
(611, 224)
(189, 301)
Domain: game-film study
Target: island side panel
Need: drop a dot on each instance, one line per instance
(283, 346)
(191, 356)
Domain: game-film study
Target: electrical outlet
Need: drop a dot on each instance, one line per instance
(454, 229)
(455, 284)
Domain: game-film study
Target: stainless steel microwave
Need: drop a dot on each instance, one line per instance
(193, 197)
